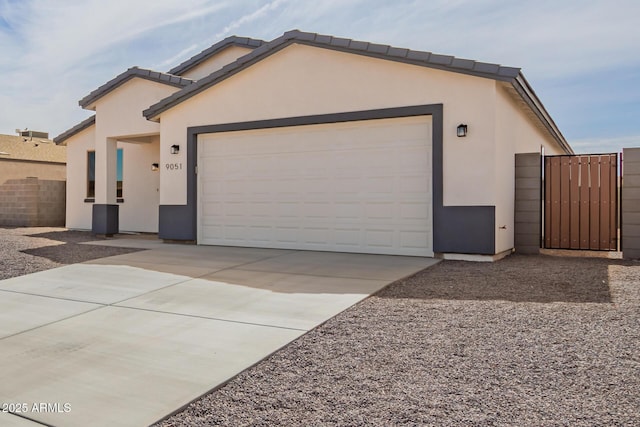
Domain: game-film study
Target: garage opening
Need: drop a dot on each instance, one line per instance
(361, 186)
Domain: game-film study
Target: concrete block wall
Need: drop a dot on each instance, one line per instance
(31, 202)
(51, 203)
(12, 169)
(528, 203)
(630, 203)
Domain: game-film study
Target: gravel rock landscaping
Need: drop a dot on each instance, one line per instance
(27, 250)
(527, 341)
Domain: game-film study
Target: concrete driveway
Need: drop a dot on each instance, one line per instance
(129, 339)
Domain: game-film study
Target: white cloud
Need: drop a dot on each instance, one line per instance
(61, 35)
(56, 52)
(250, 17)
(175, 59)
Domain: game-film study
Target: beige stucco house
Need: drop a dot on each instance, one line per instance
(309, 142)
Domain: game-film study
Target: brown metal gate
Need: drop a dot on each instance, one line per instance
(581, 202)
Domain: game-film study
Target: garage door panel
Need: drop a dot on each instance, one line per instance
(286, 235)
(379, 239)
(414, 239)
(288, 209)
(379, 210)
(347, 210)
(353, 187)
(414, 211)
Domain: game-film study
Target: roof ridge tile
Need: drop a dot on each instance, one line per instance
(213, 49)
(128, 75)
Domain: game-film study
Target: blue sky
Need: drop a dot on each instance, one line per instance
(582, 57)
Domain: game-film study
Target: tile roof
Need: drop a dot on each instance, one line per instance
(426, 59)
(498, 72)
(13, 147)
(74, 130)
(131, 73)
(211, 51)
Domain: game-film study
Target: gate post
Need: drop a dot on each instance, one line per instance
(630, 200)
(528, 203)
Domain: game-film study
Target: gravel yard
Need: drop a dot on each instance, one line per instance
(27, 250)
(527, 341)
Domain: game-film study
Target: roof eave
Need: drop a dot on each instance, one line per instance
(524, 89)
(426, 59)
(88, 102)
(64, 136)
(198, 59)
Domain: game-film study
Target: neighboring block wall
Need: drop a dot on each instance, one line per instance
(51, 203)
(31, 202)
(631, 203)
(528, 225)
(22, 169)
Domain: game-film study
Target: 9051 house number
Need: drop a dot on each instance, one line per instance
(173, 166)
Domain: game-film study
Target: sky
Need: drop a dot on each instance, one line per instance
(582, 57)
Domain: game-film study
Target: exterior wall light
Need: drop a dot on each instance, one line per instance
(175, 149)
(462, 130)
(155, 167)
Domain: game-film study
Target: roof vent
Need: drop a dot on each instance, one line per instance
(32, 133)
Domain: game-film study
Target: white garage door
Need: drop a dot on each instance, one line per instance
(361, 186)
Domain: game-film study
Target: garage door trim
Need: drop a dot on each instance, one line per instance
(452, 225)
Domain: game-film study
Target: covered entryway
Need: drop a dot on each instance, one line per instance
(361, 186)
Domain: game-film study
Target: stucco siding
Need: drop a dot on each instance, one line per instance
(119, 113)
(139, 211)
(515, 132)
(303, 80)
(222, 58)
(78, 211)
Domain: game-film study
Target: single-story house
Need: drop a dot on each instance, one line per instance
(309, 142)
(32, 180)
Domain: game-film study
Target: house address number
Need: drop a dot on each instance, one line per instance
(173, 166)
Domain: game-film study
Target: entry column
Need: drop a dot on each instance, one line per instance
(105, 209)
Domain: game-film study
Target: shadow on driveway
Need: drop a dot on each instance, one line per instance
(517, 278)
(71, 251)
(68, 236)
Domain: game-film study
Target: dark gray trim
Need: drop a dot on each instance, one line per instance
(177, 222)
(464, 229)
(383, 113)
(154, 76)
(425, 59)
(180, 222)
(104, 219)
(456, 229)
(211, 51)
(86, 123)
(93, 200)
